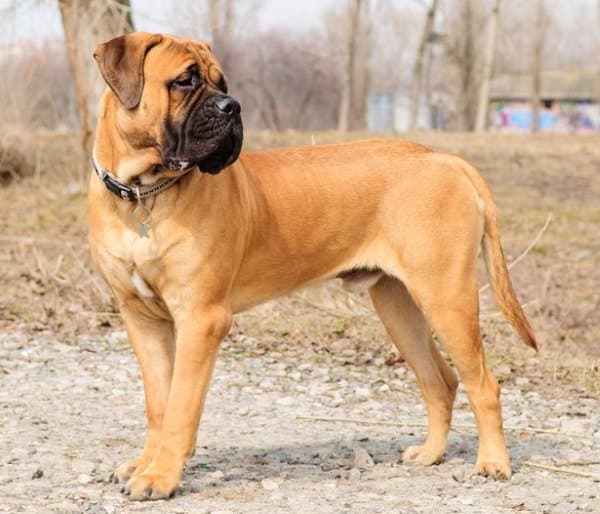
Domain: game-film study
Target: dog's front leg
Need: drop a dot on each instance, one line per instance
(154, 346)
(199, 334)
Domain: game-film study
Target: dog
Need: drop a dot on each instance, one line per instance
(188, 231)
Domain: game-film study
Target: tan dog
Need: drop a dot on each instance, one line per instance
(404, 221)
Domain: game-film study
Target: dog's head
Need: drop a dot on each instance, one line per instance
(172, 96)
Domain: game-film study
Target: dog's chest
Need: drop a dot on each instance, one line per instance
(144, 266)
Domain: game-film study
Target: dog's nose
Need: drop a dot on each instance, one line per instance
(227, 105)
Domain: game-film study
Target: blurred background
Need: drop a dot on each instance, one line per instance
(377, 65)
(512, 85)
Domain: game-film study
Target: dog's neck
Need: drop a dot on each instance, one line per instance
(125, 162)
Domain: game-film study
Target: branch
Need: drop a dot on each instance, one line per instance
(526, 251)
(564, 471)
(359, 421)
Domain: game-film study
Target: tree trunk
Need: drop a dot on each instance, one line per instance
(85, 24)
(488, 70)
(467, 67)
(221, 17)
(537, 65)
(365, 72)
(348, 85)
(415, 89)
(70, 14)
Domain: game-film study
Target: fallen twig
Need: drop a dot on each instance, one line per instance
(359, 421)
(37, 240)
(526, 251)
(96, 285)
(494, 313)
(580, 463)
(564, 471)
(305, 417)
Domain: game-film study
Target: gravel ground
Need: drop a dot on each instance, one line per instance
(70, 413)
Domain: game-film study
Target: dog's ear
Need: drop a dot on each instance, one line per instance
(121, 62)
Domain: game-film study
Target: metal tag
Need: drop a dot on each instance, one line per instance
(143, 229)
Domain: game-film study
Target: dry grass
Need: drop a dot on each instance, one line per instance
(16, 159)
(48, 283)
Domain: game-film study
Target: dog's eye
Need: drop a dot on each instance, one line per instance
(188, 81)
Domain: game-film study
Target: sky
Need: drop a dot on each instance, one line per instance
(36, 20)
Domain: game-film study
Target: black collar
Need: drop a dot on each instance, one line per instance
(133, 192)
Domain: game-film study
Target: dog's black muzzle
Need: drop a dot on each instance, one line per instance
(211, 138)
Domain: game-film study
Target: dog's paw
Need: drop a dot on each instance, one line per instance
(497, 470)
(422, 455)
(123, 472)
(151, 486)
(126, 470)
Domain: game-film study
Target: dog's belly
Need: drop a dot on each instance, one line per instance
(359, 266)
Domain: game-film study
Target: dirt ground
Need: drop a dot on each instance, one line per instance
(71, 396)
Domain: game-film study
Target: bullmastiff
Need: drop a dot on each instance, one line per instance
(187, 232)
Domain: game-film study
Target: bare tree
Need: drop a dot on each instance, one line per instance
(44, 97)
(417, 75)
(364, 70)
(490, 51)
(461, 53)
(536, 64)
(284, 83)
(354, 9)
(221, 20)
(87, 23)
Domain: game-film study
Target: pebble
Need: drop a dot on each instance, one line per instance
(65, 507)
(459, 476)
(117, 337)
(84, 478)
(478, 479)
(277, 496)
(286, 401)
(521, 381)
(362, 459)
(354, 475)
(311, 466)
(269, 485)
(266, 384)
(83, 466)
(362, 393)
(215, 476)
(98, 509)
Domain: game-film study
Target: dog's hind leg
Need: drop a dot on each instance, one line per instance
(450, 302)
(411, 334)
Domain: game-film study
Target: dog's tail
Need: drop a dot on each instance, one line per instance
(493, 254)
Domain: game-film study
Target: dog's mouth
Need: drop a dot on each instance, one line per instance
(226, 152)
(212, 155)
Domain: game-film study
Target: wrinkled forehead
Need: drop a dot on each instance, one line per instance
(174, 55)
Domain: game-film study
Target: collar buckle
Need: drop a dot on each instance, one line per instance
(114, 186)
(136, 193)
